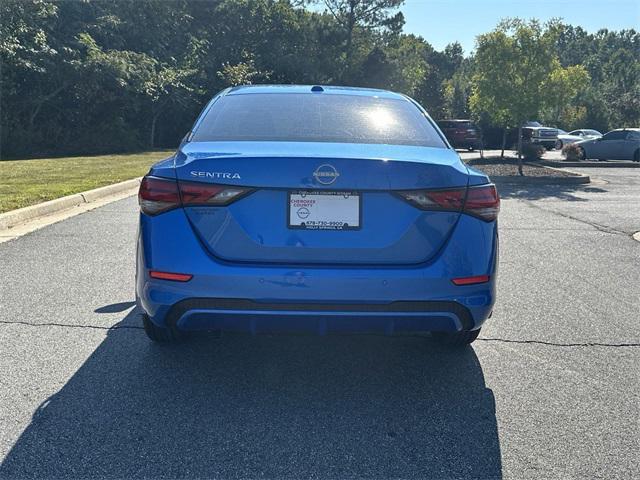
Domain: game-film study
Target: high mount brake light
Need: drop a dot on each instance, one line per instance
(158, 195)
(481, 201)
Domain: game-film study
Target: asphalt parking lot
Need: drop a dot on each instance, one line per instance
(550, 390)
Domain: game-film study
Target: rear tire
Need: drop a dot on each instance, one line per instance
(159, 334)
(456, 339)
(559, 145)
(582, 154)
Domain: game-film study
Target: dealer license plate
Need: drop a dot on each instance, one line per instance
(322, 210)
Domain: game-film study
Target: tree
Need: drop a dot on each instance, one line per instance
(366, 15)
(397, 64)
(560, 89)
(612, 60)
(98, 76)
(156, 83)
(512, 64)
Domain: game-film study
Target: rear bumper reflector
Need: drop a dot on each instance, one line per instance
(470, 280)
(176, 277)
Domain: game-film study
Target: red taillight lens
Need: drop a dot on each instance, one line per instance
(436, 199)
(481, 201)
(471, 280)
(157, 195)
(194, 193)
(176, 277)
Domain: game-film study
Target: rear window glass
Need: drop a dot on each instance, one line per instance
(316, 118)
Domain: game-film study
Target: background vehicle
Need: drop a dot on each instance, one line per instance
(317, 209)
(462, 134)
(534, 132)
(573, 136)
(620, 144)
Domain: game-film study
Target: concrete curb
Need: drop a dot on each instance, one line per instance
(577, 179)
(22, 215)
(605, 164)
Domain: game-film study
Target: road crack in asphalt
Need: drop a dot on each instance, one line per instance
(557, 344)
(597, 226)
(69, 325)
(481, 339)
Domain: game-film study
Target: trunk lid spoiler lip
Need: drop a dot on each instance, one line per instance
(318, 150)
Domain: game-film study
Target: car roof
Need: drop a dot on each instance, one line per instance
(326, 90)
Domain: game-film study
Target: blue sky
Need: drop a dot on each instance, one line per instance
(441, 22)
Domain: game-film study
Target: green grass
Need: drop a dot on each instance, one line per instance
(27, 182)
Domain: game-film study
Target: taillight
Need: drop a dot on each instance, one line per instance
(435, 199)
(158, 195)
(195, 193)
(481, 201)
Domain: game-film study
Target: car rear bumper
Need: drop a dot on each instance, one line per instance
(264, 298)
(321, 318)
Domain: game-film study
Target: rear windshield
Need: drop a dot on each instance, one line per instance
(316, 118)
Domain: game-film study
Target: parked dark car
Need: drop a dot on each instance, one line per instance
(462, 134)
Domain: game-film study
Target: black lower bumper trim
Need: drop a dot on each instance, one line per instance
(182, 307)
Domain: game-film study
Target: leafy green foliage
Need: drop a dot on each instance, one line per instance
(513, 64)
(98, 76)
(560, 90)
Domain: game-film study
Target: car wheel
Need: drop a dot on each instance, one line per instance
(636, 156)
(159, 334)
(559, 145)
(456, 339)
(582, 155)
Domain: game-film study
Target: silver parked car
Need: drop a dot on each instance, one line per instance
(573, 136)
(620, 144)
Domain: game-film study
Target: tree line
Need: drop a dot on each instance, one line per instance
(96, 76)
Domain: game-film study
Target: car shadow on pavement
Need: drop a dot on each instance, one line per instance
(569, 193)
(115, 307)
(266, 406)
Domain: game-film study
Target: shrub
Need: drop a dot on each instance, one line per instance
(532, 151)
(572, 151)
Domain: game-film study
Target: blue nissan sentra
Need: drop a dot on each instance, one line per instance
(316, 209)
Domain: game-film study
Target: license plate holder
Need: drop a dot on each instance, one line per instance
(324, 210)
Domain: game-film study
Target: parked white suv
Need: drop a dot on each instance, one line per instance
(534, 132)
